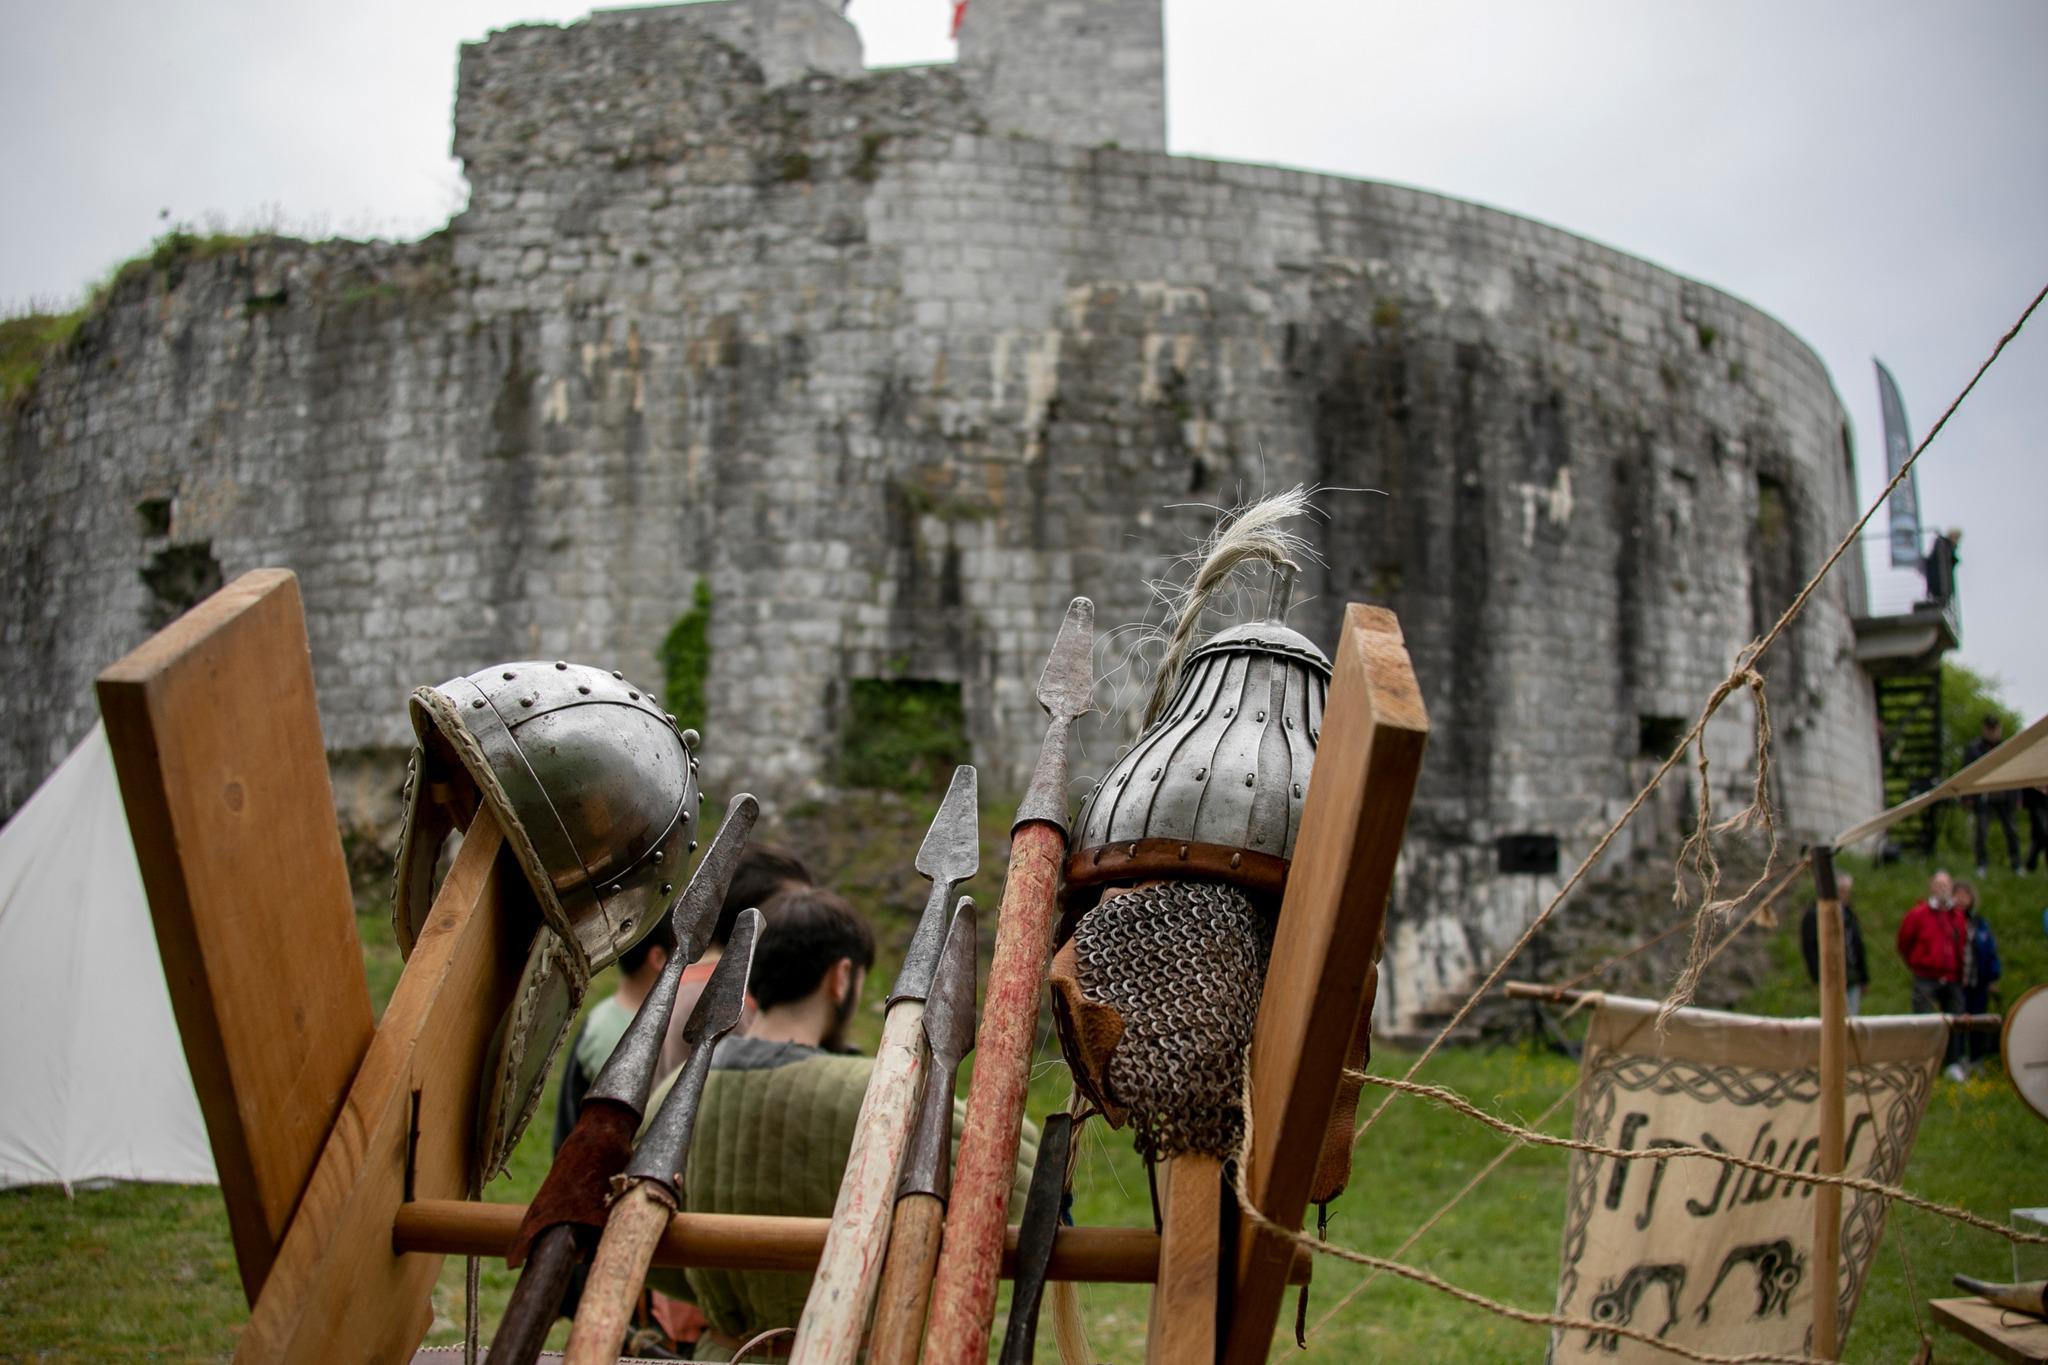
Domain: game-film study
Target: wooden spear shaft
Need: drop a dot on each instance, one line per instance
(964, 1291)
(1834, 1041)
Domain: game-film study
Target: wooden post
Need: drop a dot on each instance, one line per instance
(1183, 1321)
(216, 739)
(1354, 815)
(1834, 1041)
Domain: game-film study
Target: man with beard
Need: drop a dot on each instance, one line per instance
(776, 1121)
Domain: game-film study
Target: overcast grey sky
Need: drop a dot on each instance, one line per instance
(1873, 174)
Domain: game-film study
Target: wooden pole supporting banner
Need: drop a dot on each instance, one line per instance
(1353, 817)
(216, 740)
(1834, 1048)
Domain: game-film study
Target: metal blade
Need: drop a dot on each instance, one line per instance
(949, 1029)
(659, 1157)
(628, 1074)
(1065, 690)
(950, 854)
(696, 910)
(1067, 686)
(949, 1014)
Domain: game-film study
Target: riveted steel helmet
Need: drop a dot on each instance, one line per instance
(595, 788)
(1214, 786)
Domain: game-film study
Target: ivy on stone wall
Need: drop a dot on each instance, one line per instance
(686, 659)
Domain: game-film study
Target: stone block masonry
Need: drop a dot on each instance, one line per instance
(897, 384)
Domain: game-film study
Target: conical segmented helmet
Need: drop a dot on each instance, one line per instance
(1214, 786)
(595, 788)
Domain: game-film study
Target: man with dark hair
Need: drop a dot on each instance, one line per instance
(1856, 970)
(775, 1124)
(763, 873)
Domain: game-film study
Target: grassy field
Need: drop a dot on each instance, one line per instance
(146, 1272)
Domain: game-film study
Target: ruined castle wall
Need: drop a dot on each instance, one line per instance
(1089, 73)
(896, 387)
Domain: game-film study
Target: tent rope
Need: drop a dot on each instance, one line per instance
(1746, 660)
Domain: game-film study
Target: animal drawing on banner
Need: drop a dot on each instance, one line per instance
(1779, 1269)
(1615, 1305)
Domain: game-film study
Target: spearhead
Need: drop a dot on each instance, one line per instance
(1065, 690)
(629, 1073)
(950, 854)
(949, 1028)
(659, 1156)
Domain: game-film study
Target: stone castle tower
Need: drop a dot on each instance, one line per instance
(896, 362)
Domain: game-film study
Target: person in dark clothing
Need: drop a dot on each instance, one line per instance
(1981, 970)
(2034, 800)
(1986, 805)
(1856, 970)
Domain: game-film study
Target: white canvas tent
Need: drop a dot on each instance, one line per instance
(93, 1081)
(2021, 761)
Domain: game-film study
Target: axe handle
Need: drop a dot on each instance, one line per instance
(829, 1331)
(906, 1280)
(617, 1274)
(964, 1292)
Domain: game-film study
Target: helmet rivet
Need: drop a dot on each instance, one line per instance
(1250, 779)
(617, 887)
(1201, 773)
(634, 695)
(667, 887)
(691, 739)
(583, 689)
(560, 666)
(508, 675)
(657, 852)
(1260, 716)
(1289, 722)
(526, 701)
(693, 845)
(1236, 858)
(686, 820)
(1229, 711)
(625, 926)
(1134, 851)
(1183, 850)
(620, 676)
(478, 704)
(1155, 774)
(1297, 789)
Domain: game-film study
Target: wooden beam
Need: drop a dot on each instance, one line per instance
(1353, 818)
(1182, 1327)
(733, 1241)
(340, 1290)
(216, 740)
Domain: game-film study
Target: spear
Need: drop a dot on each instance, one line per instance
(964, 1292)
(850, 1265)
(928, 1169)
(650, 1188)
(1035, 1232)
(567, 1214)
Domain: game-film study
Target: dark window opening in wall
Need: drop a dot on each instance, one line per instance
(902, 734)
(1657, 736)
(156, 516)
(179, 577)
(1527, 854)
(1773, 513)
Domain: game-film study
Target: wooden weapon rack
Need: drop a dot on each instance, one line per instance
(345, 1148)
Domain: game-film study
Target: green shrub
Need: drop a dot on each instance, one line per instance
(902, 734)
(686, 659)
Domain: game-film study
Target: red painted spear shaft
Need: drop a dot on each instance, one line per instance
(970, 1254)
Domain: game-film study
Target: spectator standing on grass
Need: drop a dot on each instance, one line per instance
(1985, 805)
(1933, 938)
(1856, 969)
(2034, 801)
(1981, 969)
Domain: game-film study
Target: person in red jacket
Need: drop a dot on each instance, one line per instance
(1933, 940)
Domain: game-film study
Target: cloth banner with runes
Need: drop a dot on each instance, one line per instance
(1696, 1251)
